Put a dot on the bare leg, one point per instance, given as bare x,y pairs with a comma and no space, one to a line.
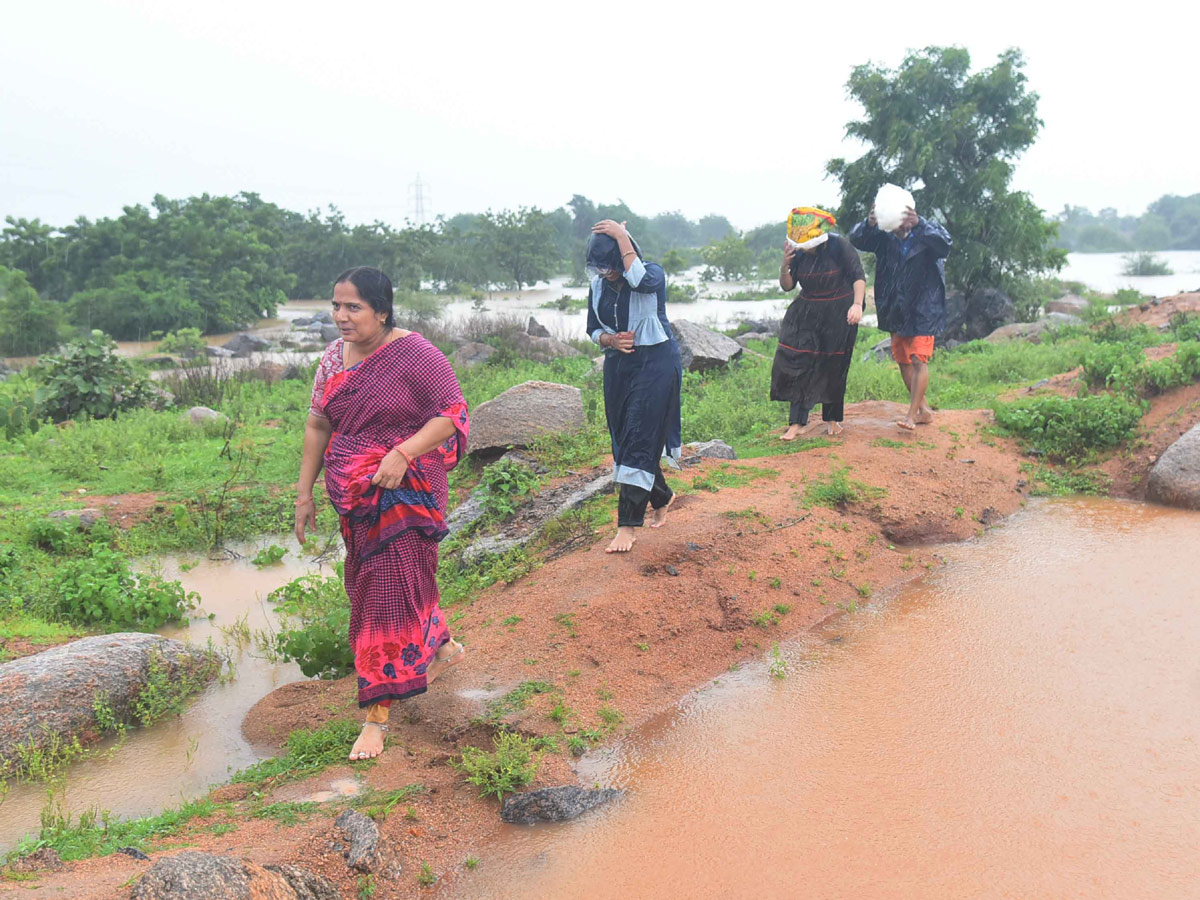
908,373
918,412
833,428
624,540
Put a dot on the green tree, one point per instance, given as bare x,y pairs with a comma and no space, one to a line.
28,324
955,135
519,244
674,262
729,257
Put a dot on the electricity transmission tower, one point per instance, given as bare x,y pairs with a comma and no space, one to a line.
418,200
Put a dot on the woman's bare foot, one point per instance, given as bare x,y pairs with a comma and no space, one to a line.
835,428
907,424
793,432
623,541
449,654
659,519
370,742
924,417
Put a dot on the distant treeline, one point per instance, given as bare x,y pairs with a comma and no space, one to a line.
1169,223
218,263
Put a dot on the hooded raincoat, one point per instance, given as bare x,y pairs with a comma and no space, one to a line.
910,276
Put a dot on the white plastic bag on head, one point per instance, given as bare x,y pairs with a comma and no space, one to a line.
890,205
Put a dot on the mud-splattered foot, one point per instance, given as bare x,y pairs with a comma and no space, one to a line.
449,654
370,742
907,424
793,432
834,429
623,542
659,519
925,417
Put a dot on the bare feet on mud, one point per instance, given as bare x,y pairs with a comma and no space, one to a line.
659,519
924,417
449,654
622,542
907,423
793,432
370,742
834,429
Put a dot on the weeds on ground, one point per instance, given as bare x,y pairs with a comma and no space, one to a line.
837,489
308,752
511,765
778,666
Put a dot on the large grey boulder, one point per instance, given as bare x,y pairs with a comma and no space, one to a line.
330,333
881,352
242,345
1175,478
218,353
744,339
206,876
520,414
554,804
51,695
472,354
976,316
702,348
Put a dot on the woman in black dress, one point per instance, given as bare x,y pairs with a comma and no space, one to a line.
816,341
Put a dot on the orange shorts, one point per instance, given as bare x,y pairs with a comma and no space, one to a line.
906,349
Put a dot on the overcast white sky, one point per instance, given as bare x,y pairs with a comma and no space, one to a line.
731,108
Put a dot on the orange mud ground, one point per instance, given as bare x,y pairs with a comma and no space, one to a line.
636,632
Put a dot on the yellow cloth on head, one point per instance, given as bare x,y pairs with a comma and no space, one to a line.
807,222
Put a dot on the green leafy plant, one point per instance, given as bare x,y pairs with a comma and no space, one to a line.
1070,428
100,590
837,489
316,618
778,666
184,342
268,556
511,765
508,483
88,379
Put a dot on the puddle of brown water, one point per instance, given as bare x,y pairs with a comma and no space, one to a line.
180,758
1022,725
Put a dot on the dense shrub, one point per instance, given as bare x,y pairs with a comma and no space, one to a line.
101,591
88,379
18,407
1070,428
316,616
185,342
508,483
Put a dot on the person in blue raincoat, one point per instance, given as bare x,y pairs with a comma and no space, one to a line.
643,374
910,297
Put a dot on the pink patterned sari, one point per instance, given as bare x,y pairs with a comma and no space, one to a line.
396,625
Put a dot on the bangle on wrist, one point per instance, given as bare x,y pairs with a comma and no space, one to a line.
407,458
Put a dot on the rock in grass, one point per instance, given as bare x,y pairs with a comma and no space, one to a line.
50,698
367,853
537,329
84,518
244,344
1071,305
517,416
206,876
472,354
702,348
202,415
554,804
1175,478
716,449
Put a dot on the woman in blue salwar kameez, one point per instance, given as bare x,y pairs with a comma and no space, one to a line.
627,316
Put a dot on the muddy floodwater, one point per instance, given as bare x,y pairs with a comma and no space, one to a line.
181,757
1024,723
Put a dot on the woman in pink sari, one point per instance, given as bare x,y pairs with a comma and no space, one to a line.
387,421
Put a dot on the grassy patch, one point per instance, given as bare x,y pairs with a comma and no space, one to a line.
510,766
517,699
837,489
308,752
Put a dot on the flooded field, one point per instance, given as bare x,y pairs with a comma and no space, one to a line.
1021,725
179,758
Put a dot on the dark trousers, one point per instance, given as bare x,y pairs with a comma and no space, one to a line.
830,412
631,502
